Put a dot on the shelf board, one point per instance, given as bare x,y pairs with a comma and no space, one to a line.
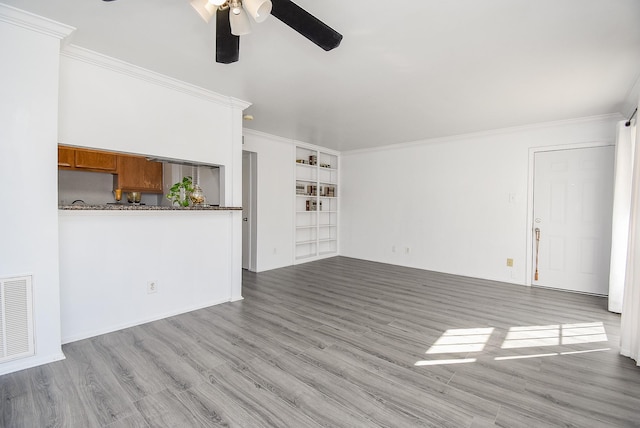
324,253
305,165
313,241
327,240
328,225
306,227
306,196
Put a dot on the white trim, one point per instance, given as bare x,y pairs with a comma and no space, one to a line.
531,175
27,363
131,70
290,141
266,135
34,22
500,131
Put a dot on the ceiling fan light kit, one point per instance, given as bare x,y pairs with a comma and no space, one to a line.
259,10
240,25
205,8
232,21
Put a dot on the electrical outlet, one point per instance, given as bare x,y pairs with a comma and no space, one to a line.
407,250
393,248
510,262
152,287
275,251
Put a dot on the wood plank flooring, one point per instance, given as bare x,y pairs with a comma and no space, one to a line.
346,343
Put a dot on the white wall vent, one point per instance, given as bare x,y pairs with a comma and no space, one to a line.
16,318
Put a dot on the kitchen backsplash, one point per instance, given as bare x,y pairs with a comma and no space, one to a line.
94,188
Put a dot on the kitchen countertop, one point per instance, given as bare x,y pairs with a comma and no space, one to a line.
132,207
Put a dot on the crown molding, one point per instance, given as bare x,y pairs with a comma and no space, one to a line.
109,63
481,134
276,138
30,21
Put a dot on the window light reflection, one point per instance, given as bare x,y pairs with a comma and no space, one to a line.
553,335
461,340
469,340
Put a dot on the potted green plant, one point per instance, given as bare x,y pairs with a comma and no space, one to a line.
179,192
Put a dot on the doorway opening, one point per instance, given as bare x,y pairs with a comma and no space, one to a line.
249,208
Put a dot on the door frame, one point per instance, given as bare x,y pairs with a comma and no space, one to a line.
252,176
530,182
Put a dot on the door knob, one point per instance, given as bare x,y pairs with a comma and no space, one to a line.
245,219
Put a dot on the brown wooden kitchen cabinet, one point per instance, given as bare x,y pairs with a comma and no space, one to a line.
86,160
66,157
137,174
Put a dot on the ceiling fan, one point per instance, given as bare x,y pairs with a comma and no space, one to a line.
232,21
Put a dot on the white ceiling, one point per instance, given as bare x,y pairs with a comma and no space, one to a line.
405,71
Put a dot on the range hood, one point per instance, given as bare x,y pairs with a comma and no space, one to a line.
181,162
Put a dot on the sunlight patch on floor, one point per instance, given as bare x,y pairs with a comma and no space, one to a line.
553,335
461,340
473,340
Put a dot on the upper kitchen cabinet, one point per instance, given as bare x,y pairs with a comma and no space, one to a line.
86,160
66,157
137,174
131,173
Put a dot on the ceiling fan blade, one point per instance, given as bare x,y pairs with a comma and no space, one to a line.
306,24
227,45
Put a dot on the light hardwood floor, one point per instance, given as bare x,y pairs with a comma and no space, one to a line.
346,343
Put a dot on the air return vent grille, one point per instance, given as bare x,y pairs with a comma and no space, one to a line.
16,318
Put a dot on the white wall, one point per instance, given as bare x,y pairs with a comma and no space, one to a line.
275,193
28,169
111,105
448,200
104,269
105,104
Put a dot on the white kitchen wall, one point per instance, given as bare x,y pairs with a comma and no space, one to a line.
28,169
454,205
275,193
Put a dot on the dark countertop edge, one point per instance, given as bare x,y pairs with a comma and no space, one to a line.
126,207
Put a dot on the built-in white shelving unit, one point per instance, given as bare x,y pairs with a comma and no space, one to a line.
316,205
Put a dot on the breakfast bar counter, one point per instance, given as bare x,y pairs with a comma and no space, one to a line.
133,207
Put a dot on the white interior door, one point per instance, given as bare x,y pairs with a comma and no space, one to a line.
572,206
